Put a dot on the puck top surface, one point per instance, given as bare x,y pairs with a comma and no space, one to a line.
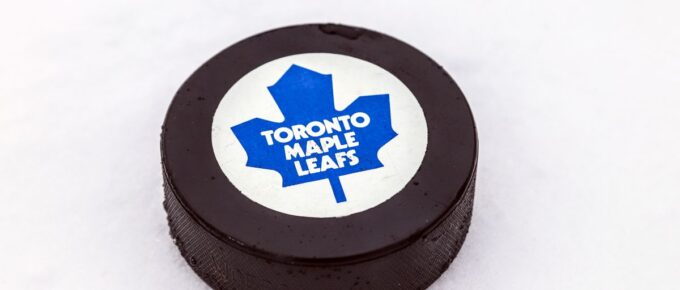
319,143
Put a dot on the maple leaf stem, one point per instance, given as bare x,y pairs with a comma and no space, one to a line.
337,189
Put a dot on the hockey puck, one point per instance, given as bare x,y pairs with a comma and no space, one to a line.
319,157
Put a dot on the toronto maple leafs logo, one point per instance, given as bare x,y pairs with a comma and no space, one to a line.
315,141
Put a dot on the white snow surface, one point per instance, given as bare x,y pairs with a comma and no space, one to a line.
576,104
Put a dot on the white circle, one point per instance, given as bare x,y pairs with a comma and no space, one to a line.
249,98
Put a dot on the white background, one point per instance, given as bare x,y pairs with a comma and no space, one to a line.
351,78
576,104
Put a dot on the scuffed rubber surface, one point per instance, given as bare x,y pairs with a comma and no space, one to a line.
223,266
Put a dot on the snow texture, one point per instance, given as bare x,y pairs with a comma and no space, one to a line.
576,104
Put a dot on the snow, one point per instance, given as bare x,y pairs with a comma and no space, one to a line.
575,101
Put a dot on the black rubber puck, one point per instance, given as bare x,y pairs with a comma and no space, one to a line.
319,157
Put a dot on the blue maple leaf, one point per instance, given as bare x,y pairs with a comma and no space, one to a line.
315,141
